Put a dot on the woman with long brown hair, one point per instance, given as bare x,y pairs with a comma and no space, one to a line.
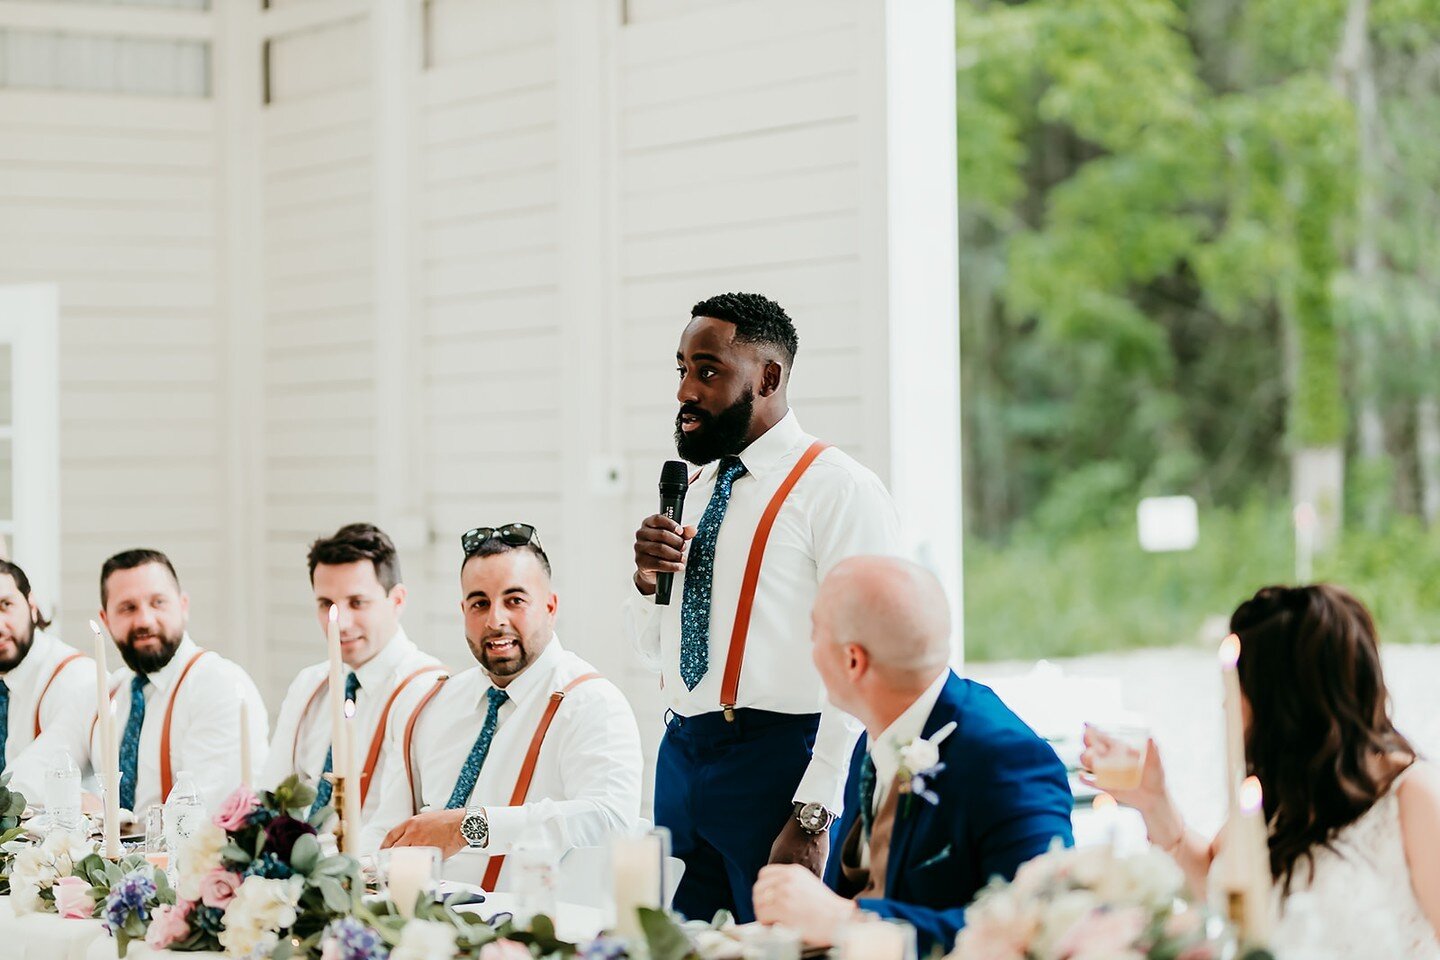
1353,813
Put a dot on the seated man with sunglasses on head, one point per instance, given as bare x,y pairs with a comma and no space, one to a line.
358,573
530,744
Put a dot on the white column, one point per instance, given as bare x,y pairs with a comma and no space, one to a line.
908,113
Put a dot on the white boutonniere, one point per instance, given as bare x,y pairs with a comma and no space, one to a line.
920,764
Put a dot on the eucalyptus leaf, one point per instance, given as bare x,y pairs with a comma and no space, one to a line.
305,855
665,938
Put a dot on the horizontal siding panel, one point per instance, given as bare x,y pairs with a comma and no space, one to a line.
114,219
804,103
819,146
82,147
321,257
497,314
340,476
308,63
481,196
92,112
175,293
498,153
719,250
79,329
351,179
462,429
305,441
495,357
774,197
729,26
282,122
522,271
481,475
86,441
323,148
461,29
465,239
514,112
323,329
764,63
162,483
178,188
303,521
320,367
288,227
123,365
102,404
343,406
672,297
49,257
350,291
516,67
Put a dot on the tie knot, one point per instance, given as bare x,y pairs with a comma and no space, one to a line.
352,685
496,697
4,687
730,470
137,683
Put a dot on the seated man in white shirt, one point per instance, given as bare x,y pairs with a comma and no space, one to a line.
469,741
356,571
177,706
42,683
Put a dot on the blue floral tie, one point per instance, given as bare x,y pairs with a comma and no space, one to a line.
130,742
325,788
465,785
4,720
699,576
867,796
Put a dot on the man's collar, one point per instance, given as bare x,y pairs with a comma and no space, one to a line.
885,750
26,672
767,450
373,672
165,677
534,677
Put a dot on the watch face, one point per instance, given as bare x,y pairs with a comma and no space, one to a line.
813,817
475,830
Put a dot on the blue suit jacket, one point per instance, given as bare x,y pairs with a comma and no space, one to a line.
1003,799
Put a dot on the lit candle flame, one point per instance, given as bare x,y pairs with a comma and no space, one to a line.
1230,651
334,613
349,708
1252,798
95,629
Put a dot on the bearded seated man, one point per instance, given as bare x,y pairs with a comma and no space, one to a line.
990,794
528,705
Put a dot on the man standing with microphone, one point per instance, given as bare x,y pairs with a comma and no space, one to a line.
753,760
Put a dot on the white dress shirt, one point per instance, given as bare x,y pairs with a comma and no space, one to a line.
72,694
205,728
379,676
587,779
885,750
838,509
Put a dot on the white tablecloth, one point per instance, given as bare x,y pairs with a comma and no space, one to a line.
47,937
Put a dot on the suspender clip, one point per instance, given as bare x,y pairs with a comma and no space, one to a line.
729,712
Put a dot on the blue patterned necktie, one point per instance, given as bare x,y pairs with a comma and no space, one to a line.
465,785
325,787
867,796
4,720
130,743
699,576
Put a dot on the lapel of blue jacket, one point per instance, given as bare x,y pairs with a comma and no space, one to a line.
908,821
841,829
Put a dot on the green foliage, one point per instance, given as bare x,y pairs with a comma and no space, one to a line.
1046,595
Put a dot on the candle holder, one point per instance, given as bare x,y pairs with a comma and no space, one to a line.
338,783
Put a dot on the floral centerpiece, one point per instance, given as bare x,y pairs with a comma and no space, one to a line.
12,806
1089,904
253,882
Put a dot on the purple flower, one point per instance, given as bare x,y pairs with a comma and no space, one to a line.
349,939
603,948
920,784
131,895
281,834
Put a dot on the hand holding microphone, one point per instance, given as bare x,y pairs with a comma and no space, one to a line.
660,541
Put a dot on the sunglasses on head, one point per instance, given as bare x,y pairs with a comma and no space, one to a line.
512,534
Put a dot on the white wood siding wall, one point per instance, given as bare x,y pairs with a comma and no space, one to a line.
316,240
114,199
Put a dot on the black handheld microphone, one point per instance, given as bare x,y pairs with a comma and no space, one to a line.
674,481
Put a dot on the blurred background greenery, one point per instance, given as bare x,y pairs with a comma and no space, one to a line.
1200,254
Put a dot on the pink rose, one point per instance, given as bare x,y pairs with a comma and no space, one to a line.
504,950
72,899
217,888
1103,935
235,811
168,925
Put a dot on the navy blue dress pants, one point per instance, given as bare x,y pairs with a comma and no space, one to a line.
725,790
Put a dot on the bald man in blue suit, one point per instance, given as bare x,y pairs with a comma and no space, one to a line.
991,795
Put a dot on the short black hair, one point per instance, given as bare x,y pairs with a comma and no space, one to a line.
22,583
495,546
129,560
756,319
355,542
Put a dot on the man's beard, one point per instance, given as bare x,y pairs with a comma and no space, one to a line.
508,667
720,435
148,662
23,643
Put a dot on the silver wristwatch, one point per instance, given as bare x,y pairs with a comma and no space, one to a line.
475,828
813,818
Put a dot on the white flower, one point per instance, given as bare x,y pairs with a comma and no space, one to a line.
425,940
714,944
36,868
921,754
199,854
261,909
